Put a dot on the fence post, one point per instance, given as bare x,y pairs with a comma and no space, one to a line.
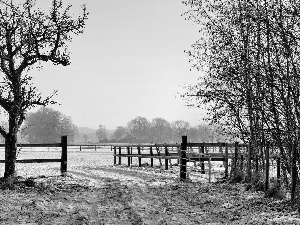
166,160
202,162
64,155
131,154
209,169
226,160
151,154
139,153
183,158
115,153
128,159
120,152
178,151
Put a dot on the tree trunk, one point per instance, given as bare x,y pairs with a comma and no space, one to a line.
11,147
10,155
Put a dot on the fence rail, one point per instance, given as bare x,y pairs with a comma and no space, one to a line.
64,154
184,153
36,145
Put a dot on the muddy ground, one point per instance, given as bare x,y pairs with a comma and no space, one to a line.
115,195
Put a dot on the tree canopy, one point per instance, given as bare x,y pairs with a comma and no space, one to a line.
29,36
47,126
249,53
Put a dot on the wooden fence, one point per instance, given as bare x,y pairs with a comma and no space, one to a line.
184,152
64,154
89,146
163,151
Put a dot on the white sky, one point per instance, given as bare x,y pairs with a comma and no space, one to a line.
129,62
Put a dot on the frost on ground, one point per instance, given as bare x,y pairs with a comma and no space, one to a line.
94,192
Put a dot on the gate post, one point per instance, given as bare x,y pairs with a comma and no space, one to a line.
202,162
151,154
120,153
115,155
128,153
64,155
183,158
226,160
166,159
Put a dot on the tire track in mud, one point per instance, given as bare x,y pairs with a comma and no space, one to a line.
129,200
147,199
114,200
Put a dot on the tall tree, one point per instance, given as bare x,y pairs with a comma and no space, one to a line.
139,128
160,130
101,133
28,36
178,129
120,133
47,126
250,51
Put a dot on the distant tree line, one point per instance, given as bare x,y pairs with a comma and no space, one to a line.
159,130
47,125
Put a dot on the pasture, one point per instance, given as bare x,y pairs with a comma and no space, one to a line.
76,158
88,161
96,192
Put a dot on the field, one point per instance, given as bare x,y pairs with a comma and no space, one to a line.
96,192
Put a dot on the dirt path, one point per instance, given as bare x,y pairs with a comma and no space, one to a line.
124,196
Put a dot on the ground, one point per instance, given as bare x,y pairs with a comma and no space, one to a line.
122,195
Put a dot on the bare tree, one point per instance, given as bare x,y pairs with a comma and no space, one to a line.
29,36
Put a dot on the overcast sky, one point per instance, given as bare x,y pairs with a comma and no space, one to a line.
129,62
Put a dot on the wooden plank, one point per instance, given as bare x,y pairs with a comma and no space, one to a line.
115,153
206,144
226,161
139,153
204,155
166,159
213,159
151,154
209,170
128,159
120,152
202,163
64,154
126,155
147,145
183,158
34,160
36,145
159,157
